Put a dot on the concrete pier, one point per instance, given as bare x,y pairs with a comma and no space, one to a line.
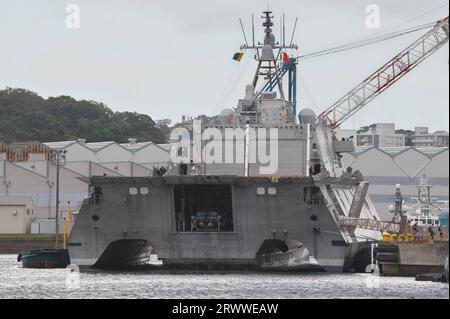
412,258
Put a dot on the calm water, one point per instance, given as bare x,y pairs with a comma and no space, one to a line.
16,282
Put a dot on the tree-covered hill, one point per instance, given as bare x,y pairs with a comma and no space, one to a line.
25,116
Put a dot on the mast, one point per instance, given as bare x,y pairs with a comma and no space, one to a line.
271,66
60,160
57,206
268,64
423,187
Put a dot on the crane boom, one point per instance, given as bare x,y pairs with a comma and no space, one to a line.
387,75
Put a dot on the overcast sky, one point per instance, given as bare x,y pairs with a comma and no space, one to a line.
168,58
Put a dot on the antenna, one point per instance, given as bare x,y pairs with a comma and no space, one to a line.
281,30
284,31
253,28
243,31
293,31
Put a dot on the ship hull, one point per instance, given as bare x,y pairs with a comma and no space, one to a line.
147,210
45,258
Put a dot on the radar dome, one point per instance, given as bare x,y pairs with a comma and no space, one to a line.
306,116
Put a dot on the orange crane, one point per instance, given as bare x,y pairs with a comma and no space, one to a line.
387,75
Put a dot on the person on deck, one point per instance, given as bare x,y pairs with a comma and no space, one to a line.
431,231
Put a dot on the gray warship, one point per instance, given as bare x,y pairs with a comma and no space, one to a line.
307,212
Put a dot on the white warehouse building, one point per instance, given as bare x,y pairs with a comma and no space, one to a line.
26,170
385,167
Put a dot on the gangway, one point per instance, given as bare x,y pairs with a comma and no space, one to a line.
382,226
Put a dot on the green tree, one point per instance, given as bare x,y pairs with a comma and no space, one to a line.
25,116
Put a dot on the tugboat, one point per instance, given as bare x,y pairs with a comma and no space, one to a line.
44,258
57,257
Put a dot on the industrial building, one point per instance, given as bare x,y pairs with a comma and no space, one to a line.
27,170
384,167
16,214
422,138
384,135
381,135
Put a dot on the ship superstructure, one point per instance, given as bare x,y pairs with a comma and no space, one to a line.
425,212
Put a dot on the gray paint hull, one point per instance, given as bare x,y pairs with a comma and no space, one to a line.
151,217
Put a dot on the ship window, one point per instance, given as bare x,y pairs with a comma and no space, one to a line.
272,191
260,190
317,169
312,196
203,208
133,191
144,190
95,195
